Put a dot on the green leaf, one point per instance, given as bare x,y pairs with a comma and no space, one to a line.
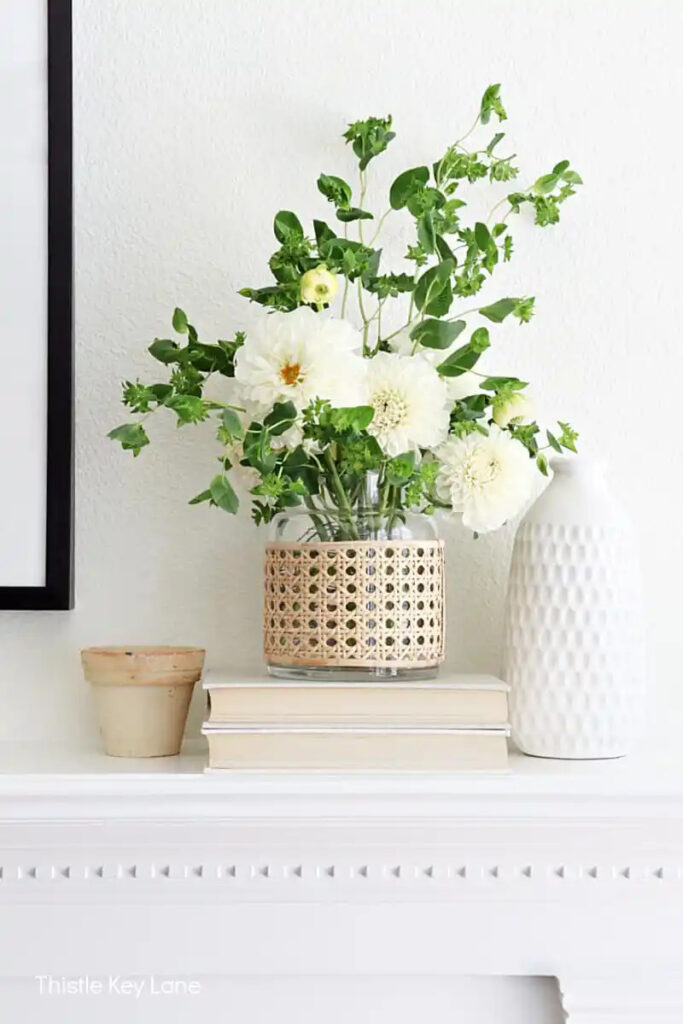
257,450
160,391
482,236
388,284
444,250
433,293
355,418
497,311
323,232
480,340
280,418
406,185
547,210
496,383
553,442
491,103
210,358
572,178
343,255
459,362
297,466
546,183
466,357
437,334
137,397
472,408
542,463
199,498
498,137
223,495
232,424
426,234
568,437
164,350
131,436
287,227
335,189
353,213
369,138
188,408
561,167
179,321
524,309
400,469
283,297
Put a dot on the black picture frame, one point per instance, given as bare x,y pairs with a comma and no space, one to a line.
57,592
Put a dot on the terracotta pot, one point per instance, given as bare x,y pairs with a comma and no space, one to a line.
143,696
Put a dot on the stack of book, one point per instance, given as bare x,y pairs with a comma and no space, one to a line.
457,722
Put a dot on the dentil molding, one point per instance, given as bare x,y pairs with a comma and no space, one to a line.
558,869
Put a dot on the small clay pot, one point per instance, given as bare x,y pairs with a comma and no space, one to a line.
142,696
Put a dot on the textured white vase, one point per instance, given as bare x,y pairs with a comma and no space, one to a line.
573,625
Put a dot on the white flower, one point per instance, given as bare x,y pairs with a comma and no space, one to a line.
410,403
487,479
465,384
457,387
318,286
299,356
290,438
245,475
516,408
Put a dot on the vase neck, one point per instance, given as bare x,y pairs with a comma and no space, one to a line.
580,466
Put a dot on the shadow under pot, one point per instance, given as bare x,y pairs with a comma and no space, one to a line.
142,696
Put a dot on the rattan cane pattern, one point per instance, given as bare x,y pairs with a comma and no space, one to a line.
374,603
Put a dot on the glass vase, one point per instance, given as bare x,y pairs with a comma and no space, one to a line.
354,592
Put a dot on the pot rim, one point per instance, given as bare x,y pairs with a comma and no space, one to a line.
136,650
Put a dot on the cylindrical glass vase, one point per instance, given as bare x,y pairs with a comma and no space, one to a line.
354,593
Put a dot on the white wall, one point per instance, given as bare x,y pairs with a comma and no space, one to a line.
195,120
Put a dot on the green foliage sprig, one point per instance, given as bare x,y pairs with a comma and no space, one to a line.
451,257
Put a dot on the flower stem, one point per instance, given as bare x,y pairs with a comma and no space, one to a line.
341,495
346,280
380,222
361,200
344,296
467,133
366,322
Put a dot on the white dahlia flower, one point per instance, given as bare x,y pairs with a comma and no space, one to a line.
457,387
298,356
410,403
487,479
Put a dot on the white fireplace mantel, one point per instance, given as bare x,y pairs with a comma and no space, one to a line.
572,870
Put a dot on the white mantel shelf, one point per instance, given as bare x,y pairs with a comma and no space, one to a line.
43,781
570,869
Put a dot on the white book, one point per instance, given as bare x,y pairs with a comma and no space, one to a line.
346,748
451,700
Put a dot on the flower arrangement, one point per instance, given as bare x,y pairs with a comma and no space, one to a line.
319,399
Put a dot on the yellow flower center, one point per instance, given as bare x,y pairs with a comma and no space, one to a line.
482,469
390,410
290,373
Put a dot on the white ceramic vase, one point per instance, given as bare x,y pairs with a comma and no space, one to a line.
573,629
